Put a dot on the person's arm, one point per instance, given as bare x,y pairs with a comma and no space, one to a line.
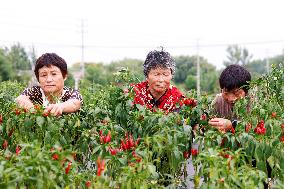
24,101
70,106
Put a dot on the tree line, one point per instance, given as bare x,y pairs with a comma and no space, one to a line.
16,63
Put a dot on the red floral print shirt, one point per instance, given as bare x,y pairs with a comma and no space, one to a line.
167,102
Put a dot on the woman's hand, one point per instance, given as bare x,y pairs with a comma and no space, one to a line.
221,124
24,102
54,109
69,106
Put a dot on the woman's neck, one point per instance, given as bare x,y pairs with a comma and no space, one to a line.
156,94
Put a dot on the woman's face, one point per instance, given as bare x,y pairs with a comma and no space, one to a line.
51,80
159,79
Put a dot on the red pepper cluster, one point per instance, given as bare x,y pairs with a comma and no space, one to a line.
190,102
260,129
105,139
128,142
193,151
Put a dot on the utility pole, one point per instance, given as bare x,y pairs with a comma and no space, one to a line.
197,70
82,49
81,74
267,61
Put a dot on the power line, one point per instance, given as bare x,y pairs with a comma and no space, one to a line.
146,46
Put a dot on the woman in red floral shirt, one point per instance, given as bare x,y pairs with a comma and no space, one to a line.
156,91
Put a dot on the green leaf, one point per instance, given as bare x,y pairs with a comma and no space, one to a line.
40,120
271,161
123,161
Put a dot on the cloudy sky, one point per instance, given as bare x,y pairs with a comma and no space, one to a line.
115,29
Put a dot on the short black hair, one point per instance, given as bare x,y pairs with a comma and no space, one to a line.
49,59
235,76
157,59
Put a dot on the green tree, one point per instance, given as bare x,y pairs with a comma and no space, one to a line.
96,73
186,74
19,58
185,65
257,68
237,55
262,66
134,66
6,70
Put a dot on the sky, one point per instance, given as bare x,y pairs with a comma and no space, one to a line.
112,30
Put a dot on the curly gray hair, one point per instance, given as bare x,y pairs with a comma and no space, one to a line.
157,59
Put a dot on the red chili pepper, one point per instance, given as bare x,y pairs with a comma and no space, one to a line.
1,119
137,158
248,127
45,114
113,151
5,144
260,130
102,139
185,154
37,107
10,133
88,184
187,102
55,156
137,141
260,123
17,111
107,139
18,150
233,130
203,117
194,152
131,141
226,156
123,145
100,166
68,167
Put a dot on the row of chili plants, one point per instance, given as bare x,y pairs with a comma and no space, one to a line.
112,143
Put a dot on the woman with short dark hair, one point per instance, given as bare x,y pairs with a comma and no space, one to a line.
51,72
157,91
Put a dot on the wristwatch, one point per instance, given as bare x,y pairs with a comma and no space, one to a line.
234,123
